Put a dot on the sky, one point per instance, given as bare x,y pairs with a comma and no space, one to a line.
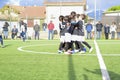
101,4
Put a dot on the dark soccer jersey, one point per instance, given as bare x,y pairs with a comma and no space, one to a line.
75,31
67,30
72,27
80,27
62,27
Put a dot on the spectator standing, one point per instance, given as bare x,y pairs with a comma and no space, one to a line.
89,28
50,30
5,30
36,28
113,30
99,26
14,32
118,31
106,31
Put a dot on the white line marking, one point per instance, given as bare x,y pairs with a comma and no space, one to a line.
105,74
113,55
29,51
108,40
21,49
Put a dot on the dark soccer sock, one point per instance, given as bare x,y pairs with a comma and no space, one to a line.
61,46
1,42
76,45
80,45
71,45
67,46
84,42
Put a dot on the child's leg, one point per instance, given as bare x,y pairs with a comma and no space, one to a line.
1,40
23,39
80,46
66,46
62,43
61,46
77,45
71,45
90,48
84,42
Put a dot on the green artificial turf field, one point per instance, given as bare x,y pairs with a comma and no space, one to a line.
39,60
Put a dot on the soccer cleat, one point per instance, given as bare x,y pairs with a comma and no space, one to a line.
67,53
59,51
84,49
71,52
82,52
76,51
91,49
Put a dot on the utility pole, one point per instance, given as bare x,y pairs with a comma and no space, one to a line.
95,20
10,16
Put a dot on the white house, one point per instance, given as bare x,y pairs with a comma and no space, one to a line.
115,13
55,8
109,17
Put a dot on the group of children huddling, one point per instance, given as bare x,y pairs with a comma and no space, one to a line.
72,34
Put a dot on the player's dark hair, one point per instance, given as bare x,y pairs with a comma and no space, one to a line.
83,16
67,18
73,13
61,17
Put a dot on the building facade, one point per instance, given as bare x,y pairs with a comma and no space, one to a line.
109,17
55,8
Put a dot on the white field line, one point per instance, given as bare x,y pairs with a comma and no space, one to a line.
42,52
107,40
105,74
21,49
31,40
113,55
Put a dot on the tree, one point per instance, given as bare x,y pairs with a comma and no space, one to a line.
114,8
6,10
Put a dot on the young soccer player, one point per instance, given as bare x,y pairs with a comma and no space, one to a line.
62,26
75,34
22,34
67,39
81,32
1,39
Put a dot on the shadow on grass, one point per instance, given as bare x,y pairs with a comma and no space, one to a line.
113,75
6,45
85,77
71,71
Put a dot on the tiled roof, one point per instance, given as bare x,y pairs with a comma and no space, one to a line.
64,0
3,16
33,12
30,11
